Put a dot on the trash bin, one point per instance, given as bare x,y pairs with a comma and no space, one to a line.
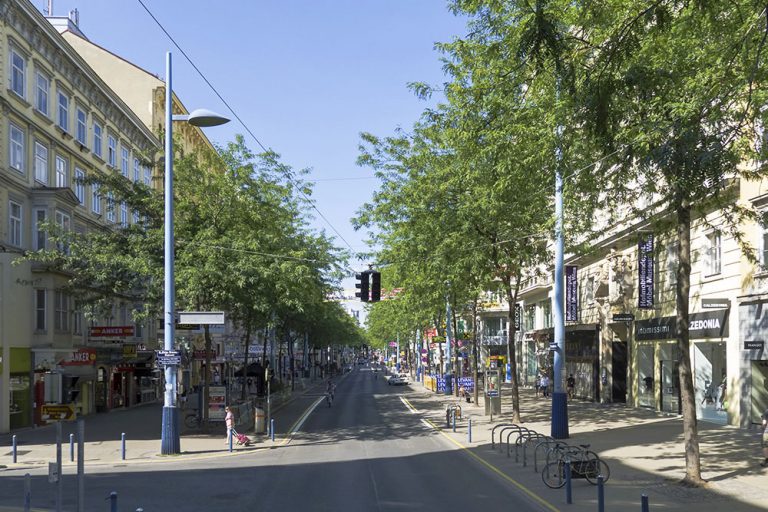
259,421
492,404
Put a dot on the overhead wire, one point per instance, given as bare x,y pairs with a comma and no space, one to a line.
239,119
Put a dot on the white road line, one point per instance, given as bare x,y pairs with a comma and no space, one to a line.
296,426
408,405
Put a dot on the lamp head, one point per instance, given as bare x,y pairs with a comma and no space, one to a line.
204,118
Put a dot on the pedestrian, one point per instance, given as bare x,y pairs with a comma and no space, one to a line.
570,384
545,385
229,420
537,384
765,439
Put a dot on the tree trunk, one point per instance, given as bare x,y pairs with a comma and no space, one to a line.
687,396
474,349
245,361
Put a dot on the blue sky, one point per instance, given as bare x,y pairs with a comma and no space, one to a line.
306,76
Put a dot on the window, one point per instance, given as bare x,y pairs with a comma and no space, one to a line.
41,236
62,172
124,159
63,223
111,151
14,223
16,148
40,310
147,176
61,304
529,318
63,111
80,185
18,73
124,214
95,198
41,163
590,290
77,321
135,217
714,254
671,263
546,308
136,170
82,130
97,143
110,207
42,90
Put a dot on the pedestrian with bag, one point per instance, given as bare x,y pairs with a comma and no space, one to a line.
229,420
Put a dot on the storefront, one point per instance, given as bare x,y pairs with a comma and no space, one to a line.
753,360
658,360
20,405
63,384
581,357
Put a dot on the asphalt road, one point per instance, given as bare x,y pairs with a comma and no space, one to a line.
366,452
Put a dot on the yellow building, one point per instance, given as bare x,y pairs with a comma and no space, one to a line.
60,122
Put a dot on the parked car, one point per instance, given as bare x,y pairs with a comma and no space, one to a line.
398,380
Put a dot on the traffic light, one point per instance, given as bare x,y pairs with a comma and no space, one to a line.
375,286
362,285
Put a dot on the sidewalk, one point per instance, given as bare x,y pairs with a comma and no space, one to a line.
643,449
142,426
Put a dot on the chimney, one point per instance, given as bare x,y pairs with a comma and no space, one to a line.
74,16
50,8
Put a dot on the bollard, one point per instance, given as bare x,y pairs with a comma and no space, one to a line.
600,494
454,420
112,501
568,489
71,447
469,430
14,448
122,445
644,503
272,429
27,492
230,436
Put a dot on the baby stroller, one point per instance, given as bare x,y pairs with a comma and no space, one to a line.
240,439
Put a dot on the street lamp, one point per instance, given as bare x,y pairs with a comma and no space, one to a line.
448,339
170,443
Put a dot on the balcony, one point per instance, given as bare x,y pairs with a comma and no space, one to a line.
499,339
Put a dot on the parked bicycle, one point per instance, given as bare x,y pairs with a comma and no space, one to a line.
584,464
192,420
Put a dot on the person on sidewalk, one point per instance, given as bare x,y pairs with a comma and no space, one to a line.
545,385
765,439
229,420
537,384
570,385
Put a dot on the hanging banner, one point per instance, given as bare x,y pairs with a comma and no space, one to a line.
571,293
645,272
518,317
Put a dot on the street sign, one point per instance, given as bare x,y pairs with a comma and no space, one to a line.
57,412
492,393
201,317
168,357
623,317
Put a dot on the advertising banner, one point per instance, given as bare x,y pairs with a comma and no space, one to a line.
571,293
645,272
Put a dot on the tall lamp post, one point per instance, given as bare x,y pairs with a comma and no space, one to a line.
448,339
170,443
559,397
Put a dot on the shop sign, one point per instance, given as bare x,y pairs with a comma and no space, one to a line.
130,351
571,293
518,317
715,303
623,317
645,272
217,400
57,412
111,331
80,357
430,333
392,343
200,354
754,345
710,324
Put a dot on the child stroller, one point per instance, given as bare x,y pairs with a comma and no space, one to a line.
240,439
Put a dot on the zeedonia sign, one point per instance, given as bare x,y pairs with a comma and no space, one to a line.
710,324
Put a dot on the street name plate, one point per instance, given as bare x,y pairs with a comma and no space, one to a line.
168,357
201,317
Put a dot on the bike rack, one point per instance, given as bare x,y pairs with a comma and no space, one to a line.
493,432
521,438
512,426
519,430
545,442
533,437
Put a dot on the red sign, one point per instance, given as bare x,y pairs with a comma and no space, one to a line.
200,354
119,331
430,333
80,357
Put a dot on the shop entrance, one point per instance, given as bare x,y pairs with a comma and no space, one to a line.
619,371
710,381
670,387
759,395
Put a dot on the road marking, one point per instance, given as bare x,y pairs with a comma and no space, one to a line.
300,422
408,405
493,468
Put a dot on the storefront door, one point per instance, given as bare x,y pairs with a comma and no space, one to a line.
759,395
619,371
710,381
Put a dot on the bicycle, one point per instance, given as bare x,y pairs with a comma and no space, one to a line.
192,420
329,398
584,464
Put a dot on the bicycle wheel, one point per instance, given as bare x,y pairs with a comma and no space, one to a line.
191,421
553,475
593,467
